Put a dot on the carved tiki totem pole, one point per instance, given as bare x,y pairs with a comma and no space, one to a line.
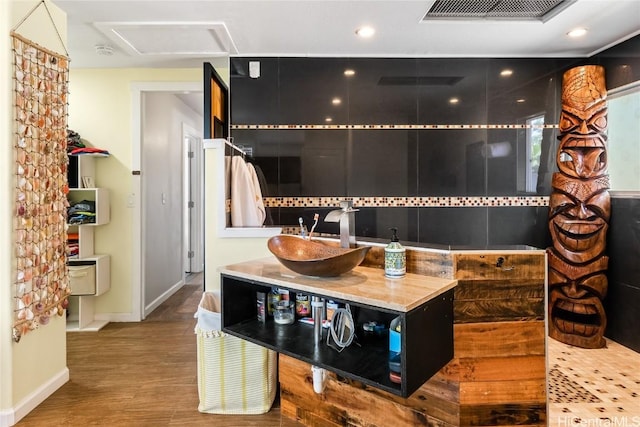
579,210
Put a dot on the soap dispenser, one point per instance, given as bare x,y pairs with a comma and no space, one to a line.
395,260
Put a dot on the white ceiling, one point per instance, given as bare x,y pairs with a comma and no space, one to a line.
166,33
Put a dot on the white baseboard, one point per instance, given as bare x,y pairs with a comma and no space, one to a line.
162,298
130,317
9,417
117,317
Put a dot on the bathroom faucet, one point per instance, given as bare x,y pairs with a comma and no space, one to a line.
347,219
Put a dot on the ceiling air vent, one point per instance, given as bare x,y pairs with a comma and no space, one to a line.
526,10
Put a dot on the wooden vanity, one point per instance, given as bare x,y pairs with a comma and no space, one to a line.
423,304
488,305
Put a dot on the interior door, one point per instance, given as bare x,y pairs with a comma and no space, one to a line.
187,201
192,190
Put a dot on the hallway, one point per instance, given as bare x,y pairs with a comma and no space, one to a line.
144,374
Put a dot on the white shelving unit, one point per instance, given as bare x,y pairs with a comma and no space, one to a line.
89,272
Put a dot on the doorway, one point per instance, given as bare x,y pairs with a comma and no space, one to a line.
156,198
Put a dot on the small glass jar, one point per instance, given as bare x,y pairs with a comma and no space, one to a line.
284,313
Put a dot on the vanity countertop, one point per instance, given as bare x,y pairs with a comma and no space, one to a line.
364,285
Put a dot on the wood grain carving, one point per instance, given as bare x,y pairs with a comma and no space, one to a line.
579,211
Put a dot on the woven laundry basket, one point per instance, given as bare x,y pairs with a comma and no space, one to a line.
234,375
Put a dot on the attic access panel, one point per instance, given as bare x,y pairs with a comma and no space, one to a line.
526,10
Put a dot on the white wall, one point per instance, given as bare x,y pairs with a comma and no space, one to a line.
6,200
162,166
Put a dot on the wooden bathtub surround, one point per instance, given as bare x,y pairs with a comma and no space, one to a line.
579,212
498,372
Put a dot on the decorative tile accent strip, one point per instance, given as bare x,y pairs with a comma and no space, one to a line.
408,202
390,126
295,230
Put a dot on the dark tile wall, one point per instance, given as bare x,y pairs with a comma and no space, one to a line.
434,162
300,161
622,303
299,91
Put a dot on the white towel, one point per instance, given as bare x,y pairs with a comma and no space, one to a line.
227,177
257,192
245,211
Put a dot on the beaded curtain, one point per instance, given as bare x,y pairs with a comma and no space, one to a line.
40,89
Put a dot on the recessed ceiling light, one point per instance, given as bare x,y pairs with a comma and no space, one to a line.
328,119
454,101
577,32
506,72
336,101
520,100
365,32
349,72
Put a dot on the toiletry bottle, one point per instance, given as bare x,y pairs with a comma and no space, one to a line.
395,260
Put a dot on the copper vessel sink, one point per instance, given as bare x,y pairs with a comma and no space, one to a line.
312,258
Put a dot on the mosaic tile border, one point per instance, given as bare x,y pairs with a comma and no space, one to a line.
408,202
388,126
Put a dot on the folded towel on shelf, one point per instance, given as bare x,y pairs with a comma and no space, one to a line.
83,212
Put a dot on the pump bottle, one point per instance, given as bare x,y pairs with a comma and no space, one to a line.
395,260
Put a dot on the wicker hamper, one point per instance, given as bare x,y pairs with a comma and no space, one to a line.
234,375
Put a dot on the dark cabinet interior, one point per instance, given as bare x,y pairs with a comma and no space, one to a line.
426,337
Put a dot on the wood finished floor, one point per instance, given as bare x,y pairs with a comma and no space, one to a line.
139,374
144,374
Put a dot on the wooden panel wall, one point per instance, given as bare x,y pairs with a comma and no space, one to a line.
429,263
497,375
499,338
349,403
